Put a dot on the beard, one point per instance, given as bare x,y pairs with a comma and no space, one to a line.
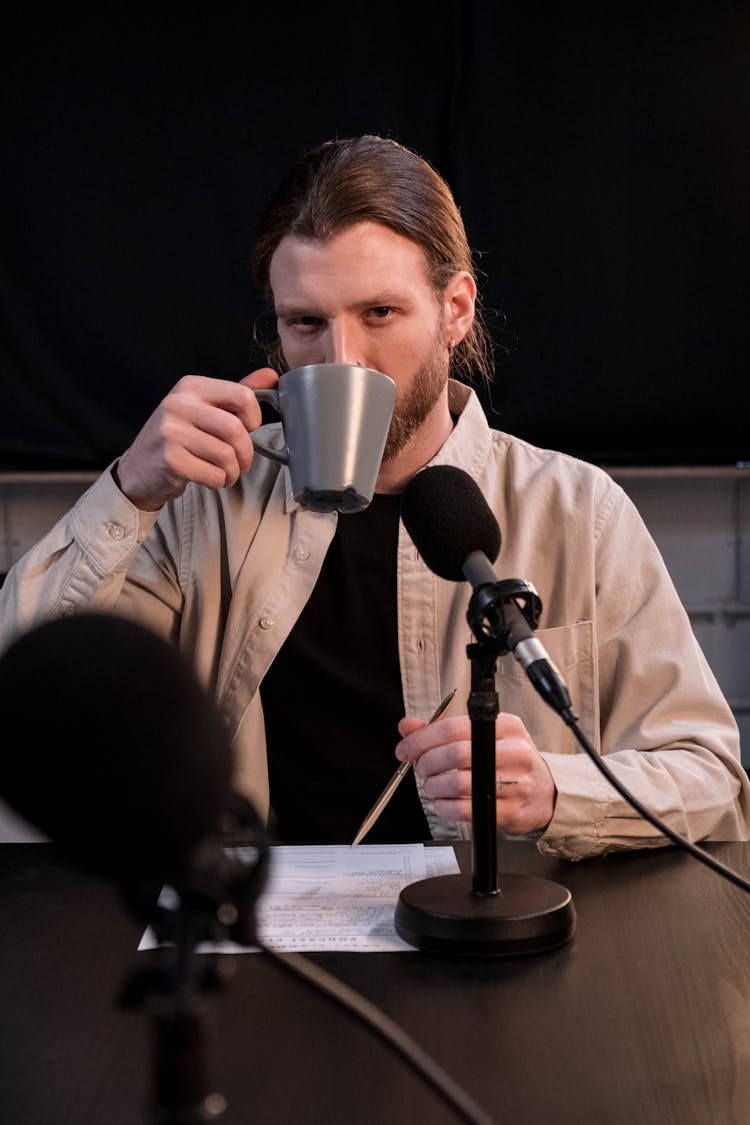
414,407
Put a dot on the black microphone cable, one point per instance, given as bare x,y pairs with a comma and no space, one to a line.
549,684
312,975
700,854
244,931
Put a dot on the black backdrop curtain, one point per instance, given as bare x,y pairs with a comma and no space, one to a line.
599,153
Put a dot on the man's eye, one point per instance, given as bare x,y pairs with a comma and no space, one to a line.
380,312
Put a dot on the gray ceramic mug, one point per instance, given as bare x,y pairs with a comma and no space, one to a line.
335,418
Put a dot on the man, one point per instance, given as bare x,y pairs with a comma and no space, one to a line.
320,634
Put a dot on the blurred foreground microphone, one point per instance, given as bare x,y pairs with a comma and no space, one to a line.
120,757
456,533
114,749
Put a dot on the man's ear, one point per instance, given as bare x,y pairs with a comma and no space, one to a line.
459,300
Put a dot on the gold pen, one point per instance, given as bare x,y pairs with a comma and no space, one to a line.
396,780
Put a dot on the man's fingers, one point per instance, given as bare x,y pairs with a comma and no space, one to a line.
264,377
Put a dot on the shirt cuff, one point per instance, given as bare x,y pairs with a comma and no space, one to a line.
107,526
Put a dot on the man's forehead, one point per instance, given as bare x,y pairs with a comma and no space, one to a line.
356,268
364,246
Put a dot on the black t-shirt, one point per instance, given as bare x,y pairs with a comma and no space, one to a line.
332,698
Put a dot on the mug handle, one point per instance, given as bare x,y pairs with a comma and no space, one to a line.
271,396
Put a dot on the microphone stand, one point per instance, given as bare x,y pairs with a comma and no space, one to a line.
174,983
212,899
487,916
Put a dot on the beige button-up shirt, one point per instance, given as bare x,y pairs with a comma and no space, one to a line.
225,574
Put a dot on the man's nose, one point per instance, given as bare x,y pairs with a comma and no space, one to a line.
344,345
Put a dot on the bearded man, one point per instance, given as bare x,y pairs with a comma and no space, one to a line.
320,634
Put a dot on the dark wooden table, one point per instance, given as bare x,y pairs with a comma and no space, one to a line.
644,1017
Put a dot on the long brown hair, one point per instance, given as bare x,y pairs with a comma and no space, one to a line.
375,179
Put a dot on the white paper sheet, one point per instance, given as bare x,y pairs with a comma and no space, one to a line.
336,897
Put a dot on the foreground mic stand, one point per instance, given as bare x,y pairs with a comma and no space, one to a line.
214,900
174,985
483,917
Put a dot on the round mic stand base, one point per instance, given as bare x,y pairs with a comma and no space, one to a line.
445,915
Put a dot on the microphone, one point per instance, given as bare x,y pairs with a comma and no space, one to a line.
451,524
116,752
456,533
121,757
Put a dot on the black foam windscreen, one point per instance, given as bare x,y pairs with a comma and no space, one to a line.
448,518
112,746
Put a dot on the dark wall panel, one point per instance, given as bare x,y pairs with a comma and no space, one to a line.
598,152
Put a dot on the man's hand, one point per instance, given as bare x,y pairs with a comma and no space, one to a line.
441,753
200,432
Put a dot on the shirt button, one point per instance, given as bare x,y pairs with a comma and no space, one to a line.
266,622
115,531
302,553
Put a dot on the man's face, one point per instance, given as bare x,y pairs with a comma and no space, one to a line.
365,298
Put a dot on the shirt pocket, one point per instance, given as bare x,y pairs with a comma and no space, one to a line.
572,649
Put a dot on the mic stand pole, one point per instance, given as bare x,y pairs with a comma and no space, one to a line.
212,899
180,1090
483,708
486,916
